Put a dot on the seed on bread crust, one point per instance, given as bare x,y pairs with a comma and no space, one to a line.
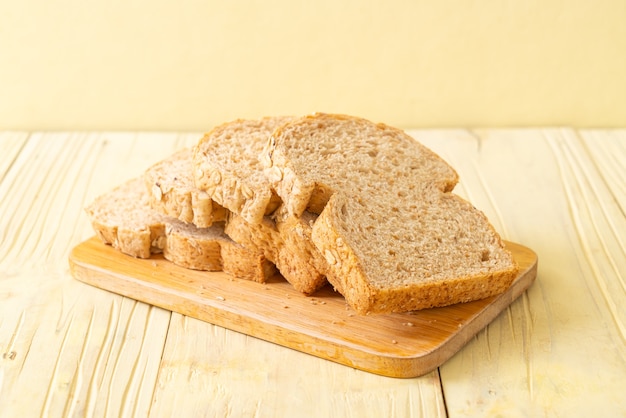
247,192
274,174
216,177
157,192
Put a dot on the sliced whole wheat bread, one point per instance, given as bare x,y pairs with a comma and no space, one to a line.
286,242
123,218
226,167
394,237
363,204
172,192
283,241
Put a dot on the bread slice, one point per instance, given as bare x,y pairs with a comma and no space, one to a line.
172,192
123,218
285,242
226,167
394,237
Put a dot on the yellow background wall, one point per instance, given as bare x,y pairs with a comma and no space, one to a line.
186,65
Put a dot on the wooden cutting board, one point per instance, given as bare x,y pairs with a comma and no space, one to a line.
396,345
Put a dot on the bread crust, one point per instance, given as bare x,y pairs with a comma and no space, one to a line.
124,219
349,277
226,167
172,191
286,241
394,237
324,197
256,220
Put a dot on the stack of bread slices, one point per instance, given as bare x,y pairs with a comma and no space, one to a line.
323,198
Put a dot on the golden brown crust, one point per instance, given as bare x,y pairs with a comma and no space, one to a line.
285,242
171,191
124,219
394,238
389,236
226,166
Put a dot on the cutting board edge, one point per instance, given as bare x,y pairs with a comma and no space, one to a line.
385,364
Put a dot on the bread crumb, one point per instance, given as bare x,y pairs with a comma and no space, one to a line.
157,192
330,257
408,324
394,342
247,192
216,177
274,174
221,298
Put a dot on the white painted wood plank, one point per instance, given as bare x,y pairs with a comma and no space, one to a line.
77,351
606,149
11,144
560,349
211,371
67,349
56,175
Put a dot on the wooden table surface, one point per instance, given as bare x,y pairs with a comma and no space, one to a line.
69,349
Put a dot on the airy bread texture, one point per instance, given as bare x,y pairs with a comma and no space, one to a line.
227,168
324,197
123,218
283,240
287,243
173,192
394,237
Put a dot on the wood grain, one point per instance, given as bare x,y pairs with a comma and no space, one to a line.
547,354
399,345
234,375
70,349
